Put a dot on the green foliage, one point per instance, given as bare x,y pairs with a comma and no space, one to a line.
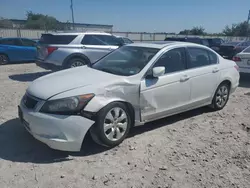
240,29
193,31
40,21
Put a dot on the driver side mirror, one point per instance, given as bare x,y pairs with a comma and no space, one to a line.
158,71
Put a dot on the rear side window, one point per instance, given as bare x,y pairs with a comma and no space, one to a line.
194,40
56,39
200,57
100,40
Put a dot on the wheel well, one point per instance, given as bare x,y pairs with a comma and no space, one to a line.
80,56
1,53
131,111
227,82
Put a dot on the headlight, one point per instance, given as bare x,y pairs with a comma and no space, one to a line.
68,105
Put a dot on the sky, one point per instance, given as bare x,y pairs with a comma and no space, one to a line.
137,15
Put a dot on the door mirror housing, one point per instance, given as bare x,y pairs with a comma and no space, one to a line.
158,71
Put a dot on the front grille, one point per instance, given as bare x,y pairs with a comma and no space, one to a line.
29,102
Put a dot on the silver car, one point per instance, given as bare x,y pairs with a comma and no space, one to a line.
243,60
134,84
67,50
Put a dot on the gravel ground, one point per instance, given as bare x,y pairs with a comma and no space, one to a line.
195,149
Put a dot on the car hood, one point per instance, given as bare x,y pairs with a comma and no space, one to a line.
52,84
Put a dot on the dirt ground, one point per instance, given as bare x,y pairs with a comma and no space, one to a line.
195,149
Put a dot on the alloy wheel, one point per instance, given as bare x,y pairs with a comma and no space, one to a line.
222,96
115,124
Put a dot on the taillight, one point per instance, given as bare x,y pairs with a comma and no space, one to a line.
51,49
236,67
236,59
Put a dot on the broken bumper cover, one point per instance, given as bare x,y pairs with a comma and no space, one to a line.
60,132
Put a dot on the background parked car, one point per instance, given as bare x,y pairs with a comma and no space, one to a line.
17,50
215,43
67,50
195,40
124,40
230,49
243,60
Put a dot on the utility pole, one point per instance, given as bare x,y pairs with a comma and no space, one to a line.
248,19
72,14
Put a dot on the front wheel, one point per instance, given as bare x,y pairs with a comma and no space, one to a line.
4,59
112,125
221,96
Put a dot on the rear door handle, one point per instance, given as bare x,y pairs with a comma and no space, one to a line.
216,70
184,78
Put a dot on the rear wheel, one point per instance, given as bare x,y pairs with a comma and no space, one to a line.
4,59
112,125
221,96
76,62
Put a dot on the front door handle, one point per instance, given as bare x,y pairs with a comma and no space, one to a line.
184,78
216,70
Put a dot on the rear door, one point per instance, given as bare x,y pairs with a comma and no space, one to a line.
29,47
97,46
204,74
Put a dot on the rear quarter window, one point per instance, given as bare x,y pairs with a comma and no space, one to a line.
56,39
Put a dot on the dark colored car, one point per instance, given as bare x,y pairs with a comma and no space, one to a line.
230,49
196,40
124,40
215,43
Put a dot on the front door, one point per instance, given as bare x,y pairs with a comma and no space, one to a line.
204,74
167,94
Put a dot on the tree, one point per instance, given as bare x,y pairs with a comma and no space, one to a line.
184,32
5,23
240,29
193,31
197,31
40,21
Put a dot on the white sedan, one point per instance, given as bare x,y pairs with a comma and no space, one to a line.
243,60
135,84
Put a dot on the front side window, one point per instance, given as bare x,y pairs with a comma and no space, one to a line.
13,42
200,57
29,43
173,60
100,40
126,61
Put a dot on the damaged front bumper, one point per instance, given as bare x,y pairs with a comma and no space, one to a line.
60,132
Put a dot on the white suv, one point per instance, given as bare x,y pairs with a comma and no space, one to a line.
67,50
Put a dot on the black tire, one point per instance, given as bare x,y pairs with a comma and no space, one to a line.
75,62
4,59
216,105
97,131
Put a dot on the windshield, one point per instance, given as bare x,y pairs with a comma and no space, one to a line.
126,61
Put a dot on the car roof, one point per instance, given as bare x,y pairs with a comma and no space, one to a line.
14,38
162,44
79,33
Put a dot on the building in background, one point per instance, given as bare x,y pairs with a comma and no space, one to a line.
19,24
